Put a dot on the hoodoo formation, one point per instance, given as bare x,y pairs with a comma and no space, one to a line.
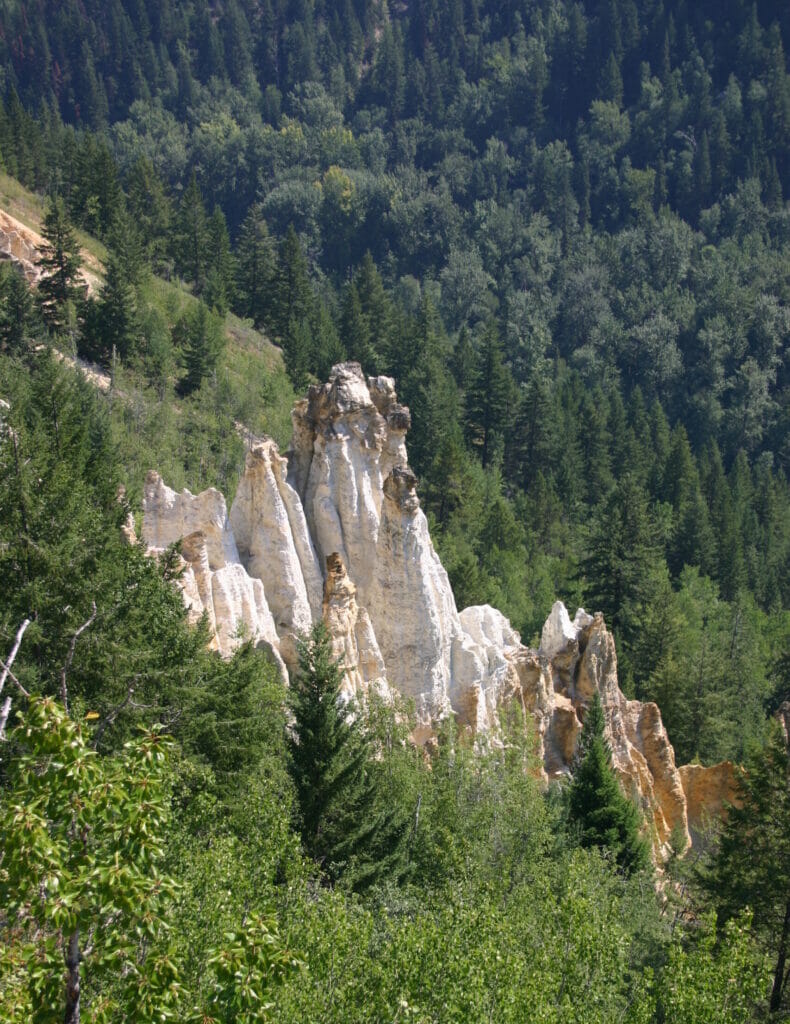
334,528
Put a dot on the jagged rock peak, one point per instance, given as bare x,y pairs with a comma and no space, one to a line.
214,583
335,530
348,391
559,631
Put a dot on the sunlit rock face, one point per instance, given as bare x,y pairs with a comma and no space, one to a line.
21,246
334,529
557,682
349,465
274,544
353,641
709,791
214,582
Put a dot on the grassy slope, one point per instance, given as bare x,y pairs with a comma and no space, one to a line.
193,442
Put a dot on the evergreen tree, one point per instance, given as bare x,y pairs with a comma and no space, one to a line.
298,347
200,336
117,317
490,396
752,864
343,825
60,263
149,208
190,239
219,285
292,297
376,306
16,310
624,569
354,329
597,806
255,268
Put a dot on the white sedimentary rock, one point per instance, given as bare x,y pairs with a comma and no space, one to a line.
336,530
214,582
353,640
349,464
274,544
559,631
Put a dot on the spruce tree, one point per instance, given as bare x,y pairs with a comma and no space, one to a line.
255,268
604,816
490,395
752,864
623,568
16,310
354,329
344,826
219,286
292,296
191,235
376,305
149,207
199,335
118,323
60,262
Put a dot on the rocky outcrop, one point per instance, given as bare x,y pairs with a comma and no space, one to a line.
22,246
556,683
349,466
708,791
335,529
213,581
275,546
353,640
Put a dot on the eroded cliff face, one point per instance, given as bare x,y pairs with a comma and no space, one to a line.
334,528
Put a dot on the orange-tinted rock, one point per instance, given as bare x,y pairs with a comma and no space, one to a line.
708,791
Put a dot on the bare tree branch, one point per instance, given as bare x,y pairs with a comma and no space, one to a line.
64,693
18,640
5,711
8,674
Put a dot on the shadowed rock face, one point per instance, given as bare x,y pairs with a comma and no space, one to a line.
335,529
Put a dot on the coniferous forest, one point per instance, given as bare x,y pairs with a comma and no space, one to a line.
564,229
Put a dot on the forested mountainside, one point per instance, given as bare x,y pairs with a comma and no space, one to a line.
563,228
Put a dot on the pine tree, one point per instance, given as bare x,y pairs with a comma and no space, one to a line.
343,825
255,268
199,335
490,396
604,816
16,310
191,235
60,262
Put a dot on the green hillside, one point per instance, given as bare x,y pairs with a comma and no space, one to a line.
563,227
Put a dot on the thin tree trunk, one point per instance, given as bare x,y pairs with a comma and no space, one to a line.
779,972
73,979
